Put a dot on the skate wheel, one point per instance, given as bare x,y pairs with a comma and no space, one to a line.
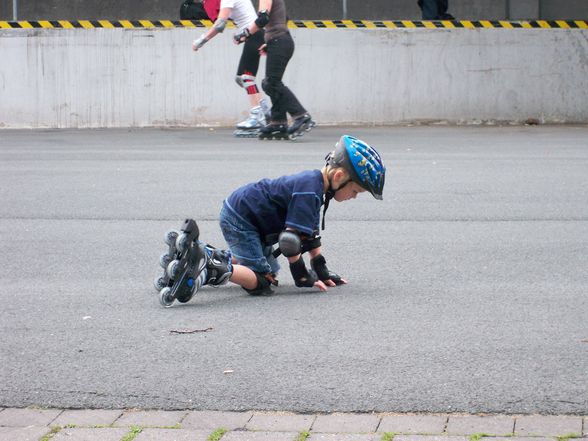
159,283
182,242
172,269
164,260
170,237
165,297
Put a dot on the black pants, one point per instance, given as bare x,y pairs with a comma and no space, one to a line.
279,51
434,9
249,62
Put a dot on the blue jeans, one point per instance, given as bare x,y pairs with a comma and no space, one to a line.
245,243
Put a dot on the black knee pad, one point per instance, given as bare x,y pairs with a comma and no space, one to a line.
270,85
263,287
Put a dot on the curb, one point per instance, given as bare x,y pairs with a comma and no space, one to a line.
143,425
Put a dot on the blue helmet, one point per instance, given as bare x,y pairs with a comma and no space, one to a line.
362,162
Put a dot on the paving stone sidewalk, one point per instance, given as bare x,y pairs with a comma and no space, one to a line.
33,424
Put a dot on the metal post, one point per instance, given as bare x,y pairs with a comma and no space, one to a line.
344,9
14,10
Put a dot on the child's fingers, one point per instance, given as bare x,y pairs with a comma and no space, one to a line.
320,285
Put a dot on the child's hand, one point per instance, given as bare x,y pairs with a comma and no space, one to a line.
261,49
321,285
339,281
319,266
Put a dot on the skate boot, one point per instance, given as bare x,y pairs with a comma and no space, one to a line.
250,127
301,125
184,263
274,131
266,108
219,266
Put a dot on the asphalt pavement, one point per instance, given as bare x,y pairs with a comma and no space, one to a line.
467,283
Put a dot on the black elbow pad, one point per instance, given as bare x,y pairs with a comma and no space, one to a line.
262,18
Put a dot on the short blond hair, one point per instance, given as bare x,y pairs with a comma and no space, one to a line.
330,171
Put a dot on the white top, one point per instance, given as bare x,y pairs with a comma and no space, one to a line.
243,11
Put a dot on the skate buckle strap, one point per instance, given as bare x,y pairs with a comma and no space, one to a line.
271,278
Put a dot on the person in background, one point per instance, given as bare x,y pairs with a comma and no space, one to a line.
243,14
435,10
279,48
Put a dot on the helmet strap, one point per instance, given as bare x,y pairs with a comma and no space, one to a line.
327,200
330,194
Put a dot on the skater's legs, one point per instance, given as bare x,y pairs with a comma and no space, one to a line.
244,277
248,67
442,7
246,78
193,264
279,51
256,267
245,244
254,99
429,9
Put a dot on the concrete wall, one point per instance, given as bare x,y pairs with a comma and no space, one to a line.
120,77
301,9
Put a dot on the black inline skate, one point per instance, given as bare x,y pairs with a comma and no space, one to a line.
274,131
301,125
183,264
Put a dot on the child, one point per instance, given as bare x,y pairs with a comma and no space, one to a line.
286,211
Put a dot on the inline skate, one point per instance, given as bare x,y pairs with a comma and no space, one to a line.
300,126
249,128
184,264
274,131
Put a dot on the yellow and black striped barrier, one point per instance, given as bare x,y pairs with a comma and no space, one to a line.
309,24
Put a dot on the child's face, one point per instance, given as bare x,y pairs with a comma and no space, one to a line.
349,191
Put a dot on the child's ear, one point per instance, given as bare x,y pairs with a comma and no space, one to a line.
339,175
